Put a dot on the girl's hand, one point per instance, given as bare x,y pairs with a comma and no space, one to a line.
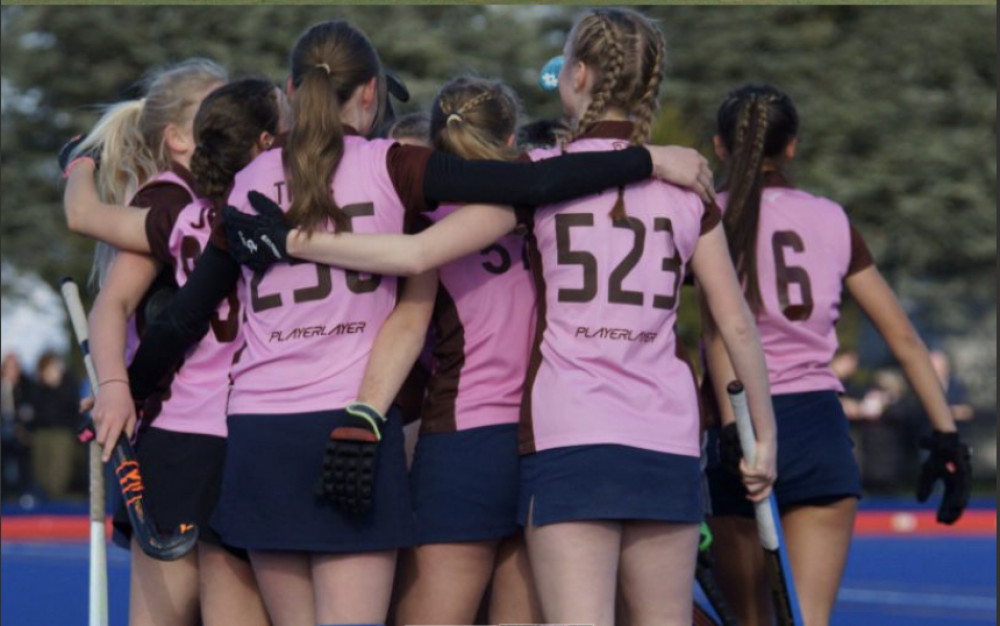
684,167
760,477
257,240
113,415
68,162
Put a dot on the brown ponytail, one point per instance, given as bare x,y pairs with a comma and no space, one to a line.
329,62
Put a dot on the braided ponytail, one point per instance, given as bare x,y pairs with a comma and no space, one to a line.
755,124
626,51
473,118
648,103
227,129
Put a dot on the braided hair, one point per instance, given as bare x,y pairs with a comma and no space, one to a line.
755,124
474,118
626,51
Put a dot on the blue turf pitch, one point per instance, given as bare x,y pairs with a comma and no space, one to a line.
889,582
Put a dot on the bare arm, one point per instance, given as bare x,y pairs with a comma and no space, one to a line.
718,366
399,342
879,303
467,230
114,412
121,226
714,271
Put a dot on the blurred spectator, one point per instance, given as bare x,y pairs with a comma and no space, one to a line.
845,366
954,390
888,427
56,399
15,412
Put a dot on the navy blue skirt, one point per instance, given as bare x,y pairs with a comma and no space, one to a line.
609,482
816,463
268,499
181,473
465,485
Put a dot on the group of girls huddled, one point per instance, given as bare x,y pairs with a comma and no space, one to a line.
254,315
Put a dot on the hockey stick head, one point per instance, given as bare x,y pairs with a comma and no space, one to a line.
151,541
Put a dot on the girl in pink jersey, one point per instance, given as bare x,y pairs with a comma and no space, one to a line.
181,454
609,420
465,472
795,252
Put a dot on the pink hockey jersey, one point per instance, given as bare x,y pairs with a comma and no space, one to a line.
606,366
309,328
806,247
196,399
483,324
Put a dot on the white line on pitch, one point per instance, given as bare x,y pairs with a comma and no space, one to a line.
904,598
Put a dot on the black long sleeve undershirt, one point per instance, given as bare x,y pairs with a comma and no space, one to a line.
184,322
449,178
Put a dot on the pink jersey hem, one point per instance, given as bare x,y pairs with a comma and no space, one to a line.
549,443
811,383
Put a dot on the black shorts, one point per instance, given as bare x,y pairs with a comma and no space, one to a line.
816,464
182,474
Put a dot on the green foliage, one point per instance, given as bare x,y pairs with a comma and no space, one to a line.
61,62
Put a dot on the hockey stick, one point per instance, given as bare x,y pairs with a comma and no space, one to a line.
98,577
779,572
150,540
706,580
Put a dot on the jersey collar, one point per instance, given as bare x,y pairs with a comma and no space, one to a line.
609,129
774,178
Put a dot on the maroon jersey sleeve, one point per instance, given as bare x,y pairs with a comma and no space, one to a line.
710,218
407,165
165,201
861,258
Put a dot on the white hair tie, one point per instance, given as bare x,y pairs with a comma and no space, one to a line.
453,116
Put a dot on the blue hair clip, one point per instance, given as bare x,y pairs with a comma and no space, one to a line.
549,78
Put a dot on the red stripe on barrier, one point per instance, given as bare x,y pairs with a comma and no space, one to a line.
48,528
924,523
867,523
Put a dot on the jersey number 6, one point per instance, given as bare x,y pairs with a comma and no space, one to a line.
790,274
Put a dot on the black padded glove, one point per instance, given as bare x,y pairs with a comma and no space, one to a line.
951,462
257,241
348,476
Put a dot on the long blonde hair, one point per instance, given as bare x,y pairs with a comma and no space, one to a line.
130,136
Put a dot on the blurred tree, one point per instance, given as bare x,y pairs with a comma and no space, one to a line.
898,124
60,63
